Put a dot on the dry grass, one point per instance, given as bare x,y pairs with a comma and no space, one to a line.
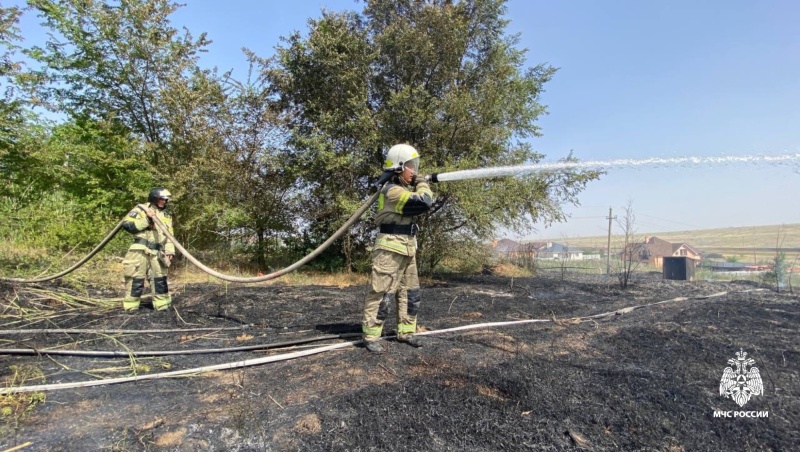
170,439
13,253
309,423
42,305
185,275
511,271
709,240
15,407
105,272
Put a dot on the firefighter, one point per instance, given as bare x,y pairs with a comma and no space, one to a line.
394,277
151,251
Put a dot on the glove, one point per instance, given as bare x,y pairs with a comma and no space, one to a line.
150,222
166,259
421,184
431,178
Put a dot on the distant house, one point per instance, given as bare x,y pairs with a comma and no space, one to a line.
654,249
592,254
540,250
506,246
552,250
509,249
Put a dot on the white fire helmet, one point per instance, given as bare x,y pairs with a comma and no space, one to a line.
401,155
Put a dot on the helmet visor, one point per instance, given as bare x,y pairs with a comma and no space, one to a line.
412,164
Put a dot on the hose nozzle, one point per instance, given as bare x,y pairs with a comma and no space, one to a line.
432,178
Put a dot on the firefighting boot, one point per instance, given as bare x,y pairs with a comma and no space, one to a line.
411,340
161,299
131,305
374,347
162,303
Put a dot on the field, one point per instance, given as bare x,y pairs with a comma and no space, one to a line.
547,362
750,244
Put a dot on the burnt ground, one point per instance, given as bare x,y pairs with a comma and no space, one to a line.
643,380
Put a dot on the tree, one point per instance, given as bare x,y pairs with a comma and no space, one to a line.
114,62
631,247
123,64
92,163
440,75
11,116
79,178
262,188
780,267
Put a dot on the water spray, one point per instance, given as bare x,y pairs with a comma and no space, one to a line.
523,170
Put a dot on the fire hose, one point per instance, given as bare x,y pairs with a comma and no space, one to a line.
350,221
163,229
237,279
326,348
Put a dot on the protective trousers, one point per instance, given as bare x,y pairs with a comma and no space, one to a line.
394,279
135,265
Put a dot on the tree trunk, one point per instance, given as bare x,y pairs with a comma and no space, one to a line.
261,253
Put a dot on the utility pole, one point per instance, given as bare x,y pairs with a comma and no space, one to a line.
608,245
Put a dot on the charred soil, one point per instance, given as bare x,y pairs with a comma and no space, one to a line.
637,379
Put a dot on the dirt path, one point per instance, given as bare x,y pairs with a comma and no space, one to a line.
646,379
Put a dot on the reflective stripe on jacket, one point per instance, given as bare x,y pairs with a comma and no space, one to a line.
399,204
136,223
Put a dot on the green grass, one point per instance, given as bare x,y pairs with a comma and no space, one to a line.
15,408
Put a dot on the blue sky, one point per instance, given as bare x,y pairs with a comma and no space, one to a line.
636,79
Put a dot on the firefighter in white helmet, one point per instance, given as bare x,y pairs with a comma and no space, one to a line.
394,277
151,251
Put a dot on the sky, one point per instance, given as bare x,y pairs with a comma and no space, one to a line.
636,79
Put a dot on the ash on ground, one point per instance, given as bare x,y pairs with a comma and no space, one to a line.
643,379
